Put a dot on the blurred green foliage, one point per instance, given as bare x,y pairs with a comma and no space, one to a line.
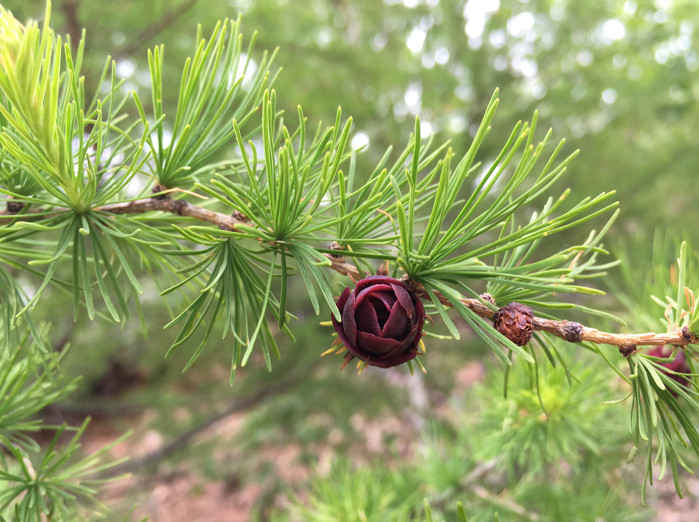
616,78
494,454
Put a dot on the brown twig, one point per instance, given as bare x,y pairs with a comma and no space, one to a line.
185,438
569,330
173,206
504,502
179,207
137,42
73,25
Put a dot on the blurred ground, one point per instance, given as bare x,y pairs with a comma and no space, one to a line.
178,491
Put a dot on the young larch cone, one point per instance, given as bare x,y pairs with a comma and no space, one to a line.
382,320
515,321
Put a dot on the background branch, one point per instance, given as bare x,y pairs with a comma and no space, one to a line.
73,25
185,438
169,18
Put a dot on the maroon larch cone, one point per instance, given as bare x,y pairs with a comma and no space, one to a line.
382,320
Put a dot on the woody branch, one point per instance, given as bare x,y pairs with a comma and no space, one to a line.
568,330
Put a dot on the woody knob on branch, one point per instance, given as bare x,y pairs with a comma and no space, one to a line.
382,321
514,321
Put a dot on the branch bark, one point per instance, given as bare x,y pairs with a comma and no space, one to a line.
170,17
567,330
73,25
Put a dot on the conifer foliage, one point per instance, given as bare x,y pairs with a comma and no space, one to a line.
222,199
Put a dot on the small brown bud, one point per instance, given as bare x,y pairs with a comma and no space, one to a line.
515,321
383,269
180,205
336,246
572,332
687,334
159,188
14,207
627,350
488,298
239,216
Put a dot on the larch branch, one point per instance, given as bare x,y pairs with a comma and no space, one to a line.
568,330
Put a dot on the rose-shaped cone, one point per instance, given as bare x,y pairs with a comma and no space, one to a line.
382,321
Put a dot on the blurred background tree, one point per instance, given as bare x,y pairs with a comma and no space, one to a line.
617,79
